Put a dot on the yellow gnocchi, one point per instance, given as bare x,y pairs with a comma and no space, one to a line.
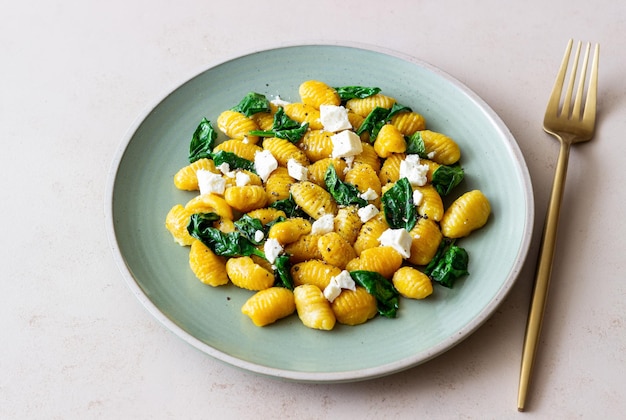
209,268
313,308
466,214
247,274
237,126
313,199
316,93
269,305
354,307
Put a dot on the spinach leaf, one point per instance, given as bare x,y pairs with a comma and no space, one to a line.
396,109
232,244
387,297
360,92
397,202
378,117
445,178
374,122
415,145
343,192
284,128
233,161
248,227
449,263
283,272
289,206
202,141
252,103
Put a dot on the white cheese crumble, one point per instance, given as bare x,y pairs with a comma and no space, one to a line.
323,225
210,182
272,249
342,280
334,118
346,143
431,155
415,172
369,195
278,101
242,179
398,239
349,162
368,212
259,235
264,164
296,170
224,168
417,197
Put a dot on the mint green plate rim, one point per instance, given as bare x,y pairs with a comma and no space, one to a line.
140,191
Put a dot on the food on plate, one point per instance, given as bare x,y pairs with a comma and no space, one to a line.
333,207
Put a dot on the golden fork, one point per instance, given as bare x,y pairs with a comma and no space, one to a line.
569,126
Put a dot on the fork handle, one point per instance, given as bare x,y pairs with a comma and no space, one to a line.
542,278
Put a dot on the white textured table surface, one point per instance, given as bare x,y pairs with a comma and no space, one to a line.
77,344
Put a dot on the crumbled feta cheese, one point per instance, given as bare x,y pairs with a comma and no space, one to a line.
279,102
224,168
264,164
367,212
431,155
349,162
242,179
417,197
323,225
369,195
334,118
346,143
415,172
332,291
296,170
210,182
272,249
342,280
259,235
398,239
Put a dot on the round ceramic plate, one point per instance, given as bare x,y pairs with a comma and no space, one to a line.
141,192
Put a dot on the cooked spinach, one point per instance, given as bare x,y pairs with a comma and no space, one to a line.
232,244
202,141
398,206
449,263
378,117
233,161
252,103
352,92
387,297
284,127
374,122
282,272
445,178
415,145
343,192
249,226
289,206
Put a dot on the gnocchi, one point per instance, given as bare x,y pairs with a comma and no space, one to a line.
281,212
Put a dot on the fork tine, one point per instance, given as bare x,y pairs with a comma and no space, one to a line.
581,84
555,96
589,114
570,86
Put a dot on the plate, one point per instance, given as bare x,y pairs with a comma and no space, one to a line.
140,192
